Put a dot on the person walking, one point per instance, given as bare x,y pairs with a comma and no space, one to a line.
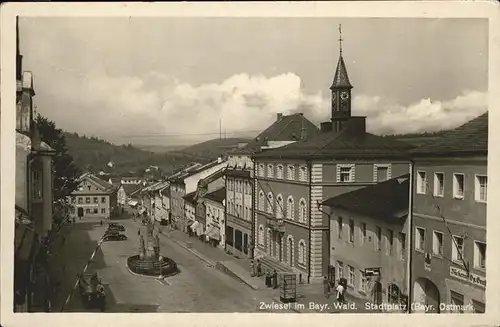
326,287
275,279
259,268
252,269
340,292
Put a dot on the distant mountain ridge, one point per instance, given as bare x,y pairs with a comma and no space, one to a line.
94,154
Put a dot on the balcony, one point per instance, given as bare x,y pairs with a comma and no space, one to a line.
277,225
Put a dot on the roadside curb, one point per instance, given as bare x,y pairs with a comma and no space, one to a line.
223,268
196,253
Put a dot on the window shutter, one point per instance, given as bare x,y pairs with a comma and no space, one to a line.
375,173
353,173
338,173
389,171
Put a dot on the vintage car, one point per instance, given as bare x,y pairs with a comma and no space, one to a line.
118,227
92,291
115,237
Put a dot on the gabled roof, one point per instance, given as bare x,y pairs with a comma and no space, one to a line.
218,195
343,144
341,79
387,201
287,128
471,137
104,186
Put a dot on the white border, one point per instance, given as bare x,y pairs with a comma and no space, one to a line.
422,9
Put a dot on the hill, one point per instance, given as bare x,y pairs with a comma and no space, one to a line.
416,139
213,148
159,148
94,154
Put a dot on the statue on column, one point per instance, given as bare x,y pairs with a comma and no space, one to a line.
157,247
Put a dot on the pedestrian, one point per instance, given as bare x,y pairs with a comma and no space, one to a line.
252,269
259,268
275,279
139,232
340,292
326,287
101,222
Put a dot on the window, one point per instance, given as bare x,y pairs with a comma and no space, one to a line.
279,206
270,203
390,241
290,208
421,182
479,255
302,253
340,269
363,232
402,242
80,200
345,173
262,200
96,199
420,239
457,248
339,227
439,184
362,281
302,211
351,231
73,210
481,189
279,172
103,199
458,186
87,200
261,235
382,173
87,211
270,171
303,173
457,301
437,243
291,172
73,199
261,170
350,280
95,210
378,243
479,307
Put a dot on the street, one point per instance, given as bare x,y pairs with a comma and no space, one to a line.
197,288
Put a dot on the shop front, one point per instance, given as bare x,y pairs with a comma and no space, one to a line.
239,236
466,292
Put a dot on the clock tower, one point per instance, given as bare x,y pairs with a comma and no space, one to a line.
341,92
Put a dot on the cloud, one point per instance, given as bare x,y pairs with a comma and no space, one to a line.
125,108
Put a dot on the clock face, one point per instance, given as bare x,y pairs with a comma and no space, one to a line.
344,95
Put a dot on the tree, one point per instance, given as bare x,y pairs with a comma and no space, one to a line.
66,172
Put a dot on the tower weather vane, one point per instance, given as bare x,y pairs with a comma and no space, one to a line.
340,37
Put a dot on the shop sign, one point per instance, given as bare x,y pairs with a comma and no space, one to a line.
471,278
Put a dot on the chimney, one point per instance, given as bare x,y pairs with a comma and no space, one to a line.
279,116
326,126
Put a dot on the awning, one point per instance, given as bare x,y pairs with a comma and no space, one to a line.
133,203
142,211
214,232
199,230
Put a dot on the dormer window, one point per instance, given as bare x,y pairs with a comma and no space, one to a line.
290,175
261,170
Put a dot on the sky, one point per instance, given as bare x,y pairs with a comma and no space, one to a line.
183,80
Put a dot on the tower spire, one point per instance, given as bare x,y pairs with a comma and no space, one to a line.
341,79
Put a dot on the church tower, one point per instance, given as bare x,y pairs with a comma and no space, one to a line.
341,92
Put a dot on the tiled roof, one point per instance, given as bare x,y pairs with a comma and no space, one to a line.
190,197
387,200
217,195
288,128
340,145
471,137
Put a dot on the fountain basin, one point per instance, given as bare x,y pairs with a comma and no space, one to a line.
151,267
